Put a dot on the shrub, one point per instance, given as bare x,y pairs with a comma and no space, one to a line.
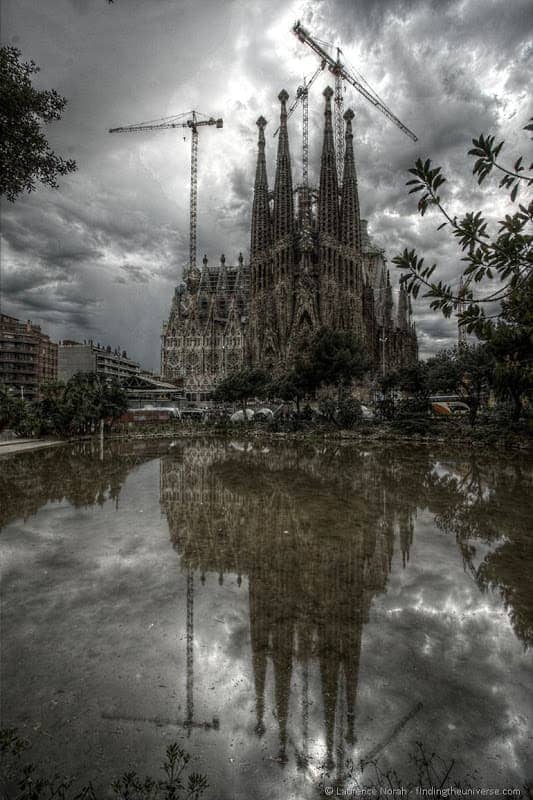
420,425
349,412
21,780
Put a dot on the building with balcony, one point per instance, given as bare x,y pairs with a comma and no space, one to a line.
111,364
28,359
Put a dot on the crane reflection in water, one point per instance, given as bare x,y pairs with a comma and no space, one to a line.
314,531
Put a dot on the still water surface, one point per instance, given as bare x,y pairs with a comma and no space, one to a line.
280,608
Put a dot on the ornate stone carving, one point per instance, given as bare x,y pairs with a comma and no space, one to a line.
306,271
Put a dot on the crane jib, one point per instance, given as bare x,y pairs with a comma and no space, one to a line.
339,71
193,125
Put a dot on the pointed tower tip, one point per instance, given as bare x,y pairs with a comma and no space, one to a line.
283,96
348,115
328,92
261,122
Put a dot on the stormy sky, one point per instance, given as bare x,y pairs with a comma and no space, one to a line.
99,258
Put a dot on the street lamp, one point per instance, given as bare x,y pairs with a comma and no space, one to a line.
383,339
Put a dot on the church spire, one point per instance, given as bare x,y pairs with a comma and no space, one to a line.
350,219
283,200
328,208
261,234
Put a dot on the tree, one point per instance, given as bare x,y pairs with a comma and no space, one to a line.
25,156
12,411
511,345
292,385
443,373
335,358
464,369
413,380
88,400
240,386
350,412
64,409
53,418
504,257
389,382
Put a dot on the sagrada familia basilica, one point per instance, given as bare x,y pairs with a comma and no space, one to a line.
310,266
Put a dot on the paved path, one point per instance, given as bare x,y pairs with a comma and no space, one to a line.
20,445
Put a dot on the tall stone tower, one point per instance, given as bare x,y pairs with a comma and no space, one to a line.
311,265
317,267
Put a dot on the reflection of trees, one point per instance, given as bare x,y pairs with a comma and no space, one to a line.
313,529
489,500
80,473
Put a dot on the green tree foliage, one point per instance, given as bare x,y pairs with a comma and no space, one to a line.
503,257
335,358
349,412
50,409
511,345
292,385
74,408
332,358
25,156
12,409
502,316
467,370
389,382
412,382
88,399
240,386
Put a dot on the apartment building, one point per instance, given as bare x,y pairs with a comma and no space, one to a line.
28,358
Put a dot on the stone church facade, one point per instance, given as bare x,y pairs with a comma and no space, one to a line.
312,265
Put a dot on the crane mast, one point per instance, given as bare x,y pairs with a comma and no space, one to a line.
175,122
338,100
302,95
304,204
193,193
341,74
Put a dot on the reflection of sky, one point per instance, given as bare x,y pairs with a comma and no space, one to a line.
435,638
95,663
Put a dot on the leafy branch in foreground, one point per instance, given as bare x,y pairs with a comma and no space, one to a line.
505,257
25,156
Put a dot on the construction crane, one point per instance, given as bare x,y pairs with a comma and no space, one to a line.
302,95
189,722
193,122
341,74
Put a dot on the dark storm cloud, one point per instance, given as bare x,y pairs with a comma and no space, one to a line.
106,249
26,279
135,274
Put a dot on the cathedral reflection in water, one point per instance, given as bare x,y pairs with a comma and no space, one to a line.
313,531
